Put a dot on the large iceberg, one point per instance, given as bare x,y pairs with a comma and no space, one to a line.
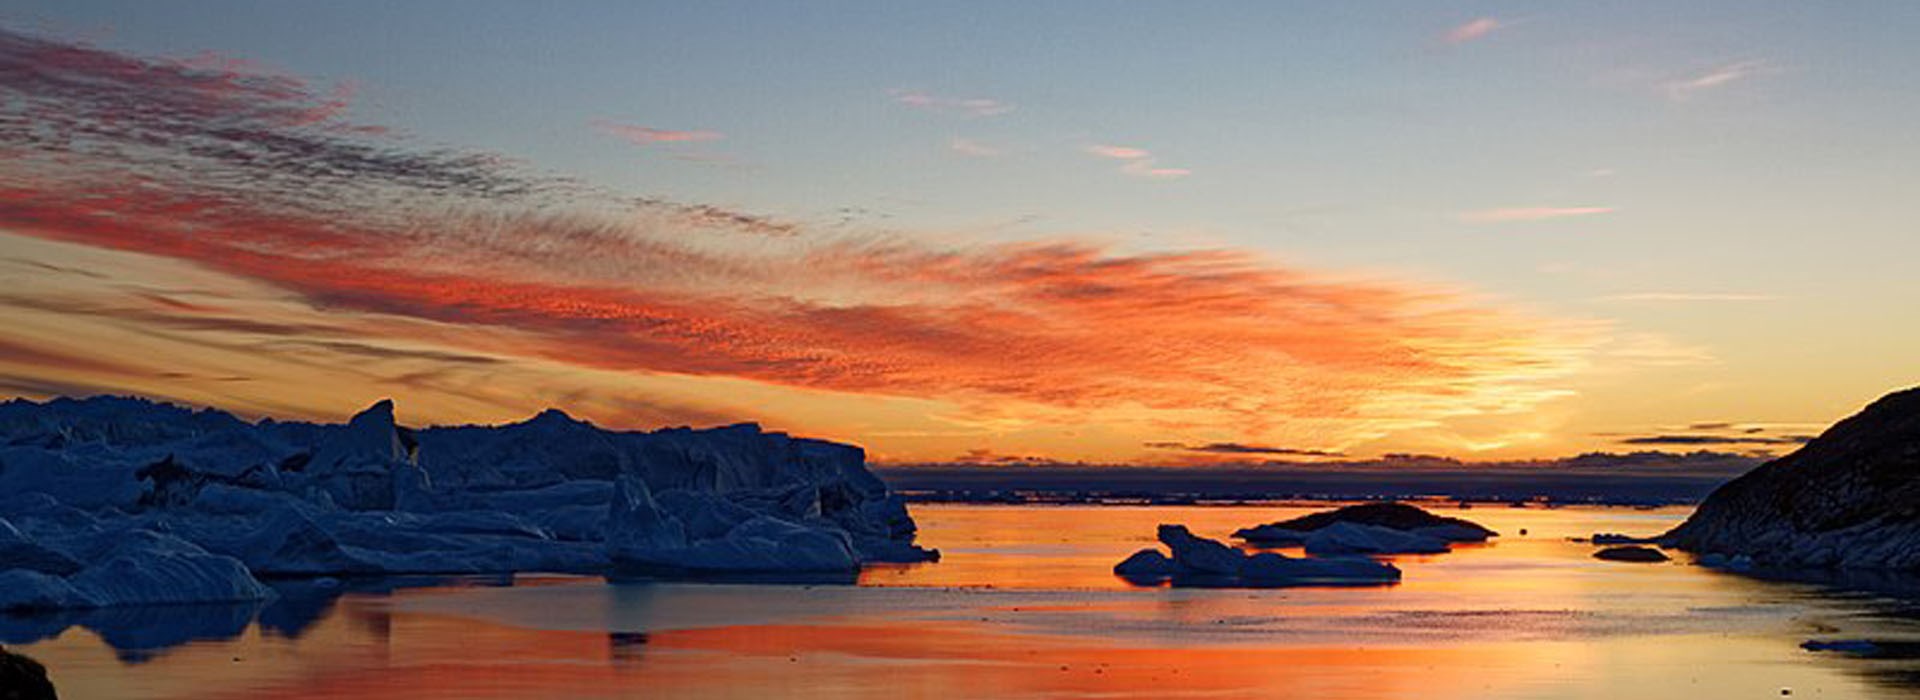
117,501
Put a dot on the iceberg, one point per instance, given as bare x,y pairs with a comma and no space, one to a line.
113,501
1351,538
1198,561
1397,517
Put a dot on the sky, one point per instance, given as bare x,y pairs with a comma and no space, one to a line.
988,232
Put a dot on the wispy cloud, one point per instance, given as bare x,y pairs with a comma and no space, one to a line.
1655,350
1238,448
1139,161
973,149
1687,297
644,135
1513,214
1716,440
1718,77
1118,152
967,106
505,263
1476,29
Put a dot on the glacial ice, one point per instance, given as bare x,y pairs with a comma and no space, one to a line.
1198,561
115,501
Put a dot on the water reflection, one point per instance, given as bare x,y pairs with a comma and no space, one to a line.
1025,605
140,634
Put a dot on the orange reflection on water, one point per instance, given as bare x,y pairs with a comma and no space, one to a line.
1025,606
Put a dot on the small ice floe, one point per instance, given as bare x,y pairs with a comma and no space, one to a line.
1632,553
1201,562
1613,538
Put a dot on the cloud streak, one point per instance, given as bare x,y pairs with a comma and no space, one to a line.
646,135
1688,297
974,149
1476,29
964,106
1506,215
1139,162
1237,448
549,270
1716,78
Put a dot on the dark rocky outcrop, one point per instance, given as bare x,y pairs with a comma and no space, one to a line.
1849,498
1392,516
22,678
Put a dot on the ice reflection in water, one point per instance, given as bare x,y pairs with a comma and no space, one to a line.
1024,605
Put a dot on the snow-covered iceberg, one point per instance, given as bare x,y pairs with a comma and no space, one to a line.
1198,561
116,501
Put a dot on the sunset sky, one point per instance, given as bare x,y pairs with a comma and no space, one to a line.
1066,231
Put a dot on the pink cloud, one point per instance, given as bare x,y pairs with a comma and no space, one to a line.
1145,168
968,106
643,135
1512,214
1118,152
1473,30
1139,161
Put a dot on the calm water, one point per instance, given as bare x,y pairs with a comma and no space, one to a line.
1024,606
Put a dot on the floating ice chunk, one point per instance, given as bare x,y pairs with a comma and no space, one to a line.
1349,538
1148,563
1199,553
1618,538
1198,561
1273,567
